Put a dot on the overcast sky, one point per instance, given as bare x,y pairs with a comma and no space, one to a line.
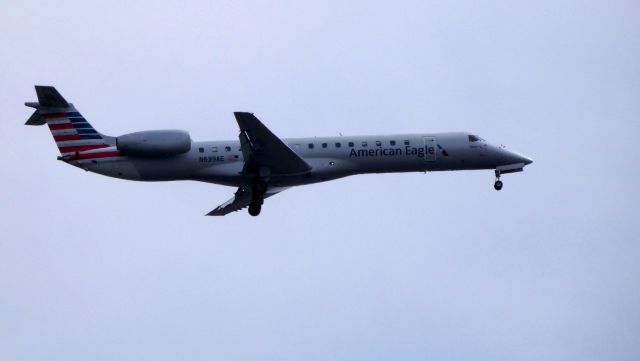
378,267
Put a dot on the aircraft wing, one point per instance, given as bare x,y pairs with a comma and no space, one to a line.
240,200
263,149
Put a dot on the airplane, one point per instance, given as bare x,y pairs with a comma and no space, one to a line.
259,163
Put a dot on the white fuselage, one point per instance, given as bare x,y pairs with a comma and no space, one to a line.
222,162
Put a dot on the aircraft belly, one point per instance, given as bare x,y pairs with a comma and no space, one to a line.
151,169
222,173
117,167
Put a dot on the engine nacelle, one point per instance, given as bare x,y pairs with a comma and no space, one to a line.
154,143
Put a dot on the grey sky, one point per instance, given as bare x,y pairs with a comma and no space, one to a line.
400,266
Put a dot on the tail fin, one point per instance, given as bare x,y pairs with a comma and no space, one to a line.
71,132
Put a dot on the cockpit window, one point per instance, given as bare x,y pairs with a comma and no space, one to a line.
474,138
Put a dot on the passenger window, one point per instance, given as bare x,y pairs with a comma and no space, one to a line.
393,142
406,142
338,145
310,145
364,144
227,148
324,145
378,143
201,150
214,149
351,144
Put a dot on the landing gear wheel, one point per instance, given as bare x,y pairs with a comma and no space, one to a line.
258,190
497,185
255,208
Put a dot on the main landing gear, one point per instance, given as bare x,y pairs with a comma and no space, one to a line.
255,207
498,184
258,189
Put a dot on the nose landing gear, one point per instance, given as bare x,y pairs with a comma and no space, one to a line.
498,184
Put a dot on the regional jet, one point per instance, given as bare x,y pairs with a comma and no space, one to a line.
259,163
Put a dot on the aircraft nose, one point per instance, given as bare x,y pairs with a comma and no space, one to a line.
522,158
515,157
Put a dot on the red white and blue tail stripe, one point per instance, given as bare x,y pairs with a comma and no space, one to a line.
75,137
73,133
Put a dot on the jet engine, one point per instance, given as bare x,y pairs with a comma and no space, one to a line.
154,143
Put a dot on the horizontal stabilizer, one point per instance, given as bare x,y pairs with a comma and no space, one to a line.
36,119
